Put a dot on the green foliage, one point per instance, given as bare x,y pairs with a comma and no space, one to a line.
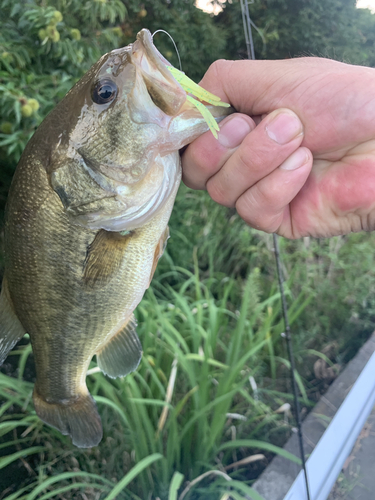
180,411
341,273
45,47
199,40
290,28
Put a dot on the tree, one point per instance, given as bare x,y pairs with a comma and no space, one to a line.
290,28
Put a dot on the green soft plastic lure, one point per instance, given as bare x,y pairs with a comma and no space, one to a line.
200,93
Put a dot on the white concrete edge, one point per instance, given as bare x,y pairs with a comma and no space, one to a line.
327,459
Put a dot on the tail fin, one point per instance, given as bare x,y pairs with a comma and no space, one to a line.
77,418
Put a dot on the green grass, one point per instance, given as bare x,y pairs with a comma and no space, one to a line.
168,423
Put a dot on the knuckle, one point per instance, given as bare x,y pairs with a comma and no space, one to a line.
250,208
247,163
218,192
250,157
216,77
218,67
247,210
267,195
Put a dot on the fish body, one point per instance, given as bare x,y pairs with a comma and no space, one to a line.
86,222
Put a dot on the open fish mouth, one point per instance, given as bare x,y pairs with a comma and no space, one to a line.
162,87
154,57
185,91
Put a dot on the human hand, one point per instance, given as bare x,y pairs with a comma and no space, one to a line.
314,179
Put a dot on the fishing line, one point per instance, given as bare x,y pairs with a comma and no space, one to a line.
287,334
175,46
247,28
288,338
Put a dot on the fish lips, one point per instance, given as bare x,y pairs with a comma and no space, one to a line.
164,90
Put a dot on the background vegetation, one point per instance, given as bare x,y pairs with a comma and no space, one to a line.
209,404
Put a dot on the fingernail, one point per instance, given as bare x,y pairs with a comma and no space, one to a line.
233,132
295,160
284,127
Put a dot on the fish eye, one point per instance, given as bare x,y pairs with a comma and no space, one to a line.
104,91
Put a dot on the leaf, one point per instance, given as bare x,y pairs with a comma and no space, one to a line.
133,473
253,443
64,476
175,485
8,459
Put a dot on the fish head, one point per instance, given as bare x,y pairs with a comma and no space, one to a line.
125,121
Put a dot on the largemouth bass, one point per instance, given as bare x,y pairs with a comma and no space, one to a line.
86,222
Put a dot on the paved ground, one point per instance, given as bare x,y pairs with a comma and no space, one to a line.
357,480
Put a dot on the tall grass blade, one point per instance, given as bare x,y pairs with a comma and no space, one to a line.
17,494
254,443
249,492
112,404
175,485
133,473
8,459
74,486
65,476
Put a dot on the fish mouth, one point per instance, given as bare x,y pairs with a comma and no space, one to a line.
164,90
173,92
154,57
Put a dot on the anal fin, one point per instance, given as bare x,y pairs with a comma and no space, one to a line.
11,330
123,352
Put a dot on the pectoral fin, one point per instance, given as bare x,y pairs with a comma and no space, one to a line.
11,330
122,354
104,257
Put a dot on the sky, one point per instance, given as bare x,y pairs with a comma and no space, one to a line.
205,5
366,4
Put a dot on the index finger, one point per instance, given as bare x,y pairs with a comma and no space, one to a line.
249,85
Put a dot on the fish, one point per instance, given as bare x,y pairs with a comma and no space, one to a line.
87,221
